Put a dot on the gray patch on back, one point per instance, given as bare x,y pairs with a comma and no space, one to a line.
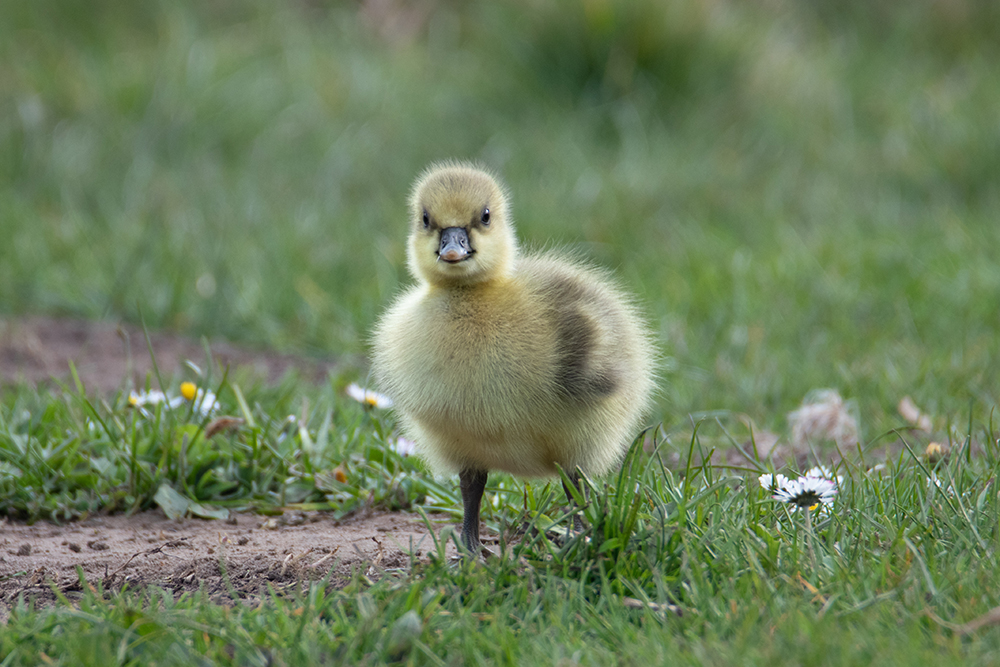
581,372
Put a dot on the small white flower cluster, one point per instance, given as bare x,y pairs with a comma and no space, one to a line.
816,487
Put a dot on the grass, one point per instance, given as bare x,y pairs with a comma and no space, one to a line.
65,456
802,194
889,573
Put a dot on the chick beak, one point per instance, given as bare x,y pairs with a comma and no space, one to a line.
454,245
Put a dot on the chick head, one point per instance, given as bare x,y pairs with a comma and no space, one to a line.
460,229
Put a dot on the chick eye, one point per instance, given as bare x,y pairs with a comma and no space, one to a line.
486,216
427,220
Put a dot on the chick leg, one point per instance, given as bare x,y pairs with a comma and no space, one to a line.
473,482
574,478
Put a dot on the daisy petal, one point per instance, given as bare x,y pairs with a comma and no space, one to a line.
773,482
404,447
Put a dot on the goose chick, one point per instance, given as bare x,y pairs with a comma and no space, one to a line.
498,360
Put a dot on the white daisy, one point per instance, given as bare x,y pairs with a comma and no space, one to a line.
367,397
205,402
153,397
807,492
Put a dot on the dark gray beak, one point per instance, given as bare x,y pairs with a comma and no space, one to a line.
455,245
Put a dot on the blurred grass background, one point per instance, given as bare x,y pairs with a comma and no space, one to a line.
803,194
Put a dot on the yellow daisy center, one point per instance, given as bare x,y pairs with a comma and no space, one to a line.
189,390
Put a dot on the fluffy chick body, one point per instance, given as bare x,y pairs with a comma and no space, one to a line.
502,361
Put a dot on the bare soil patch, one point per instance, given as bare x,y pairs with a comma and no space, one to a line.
37,350
231,560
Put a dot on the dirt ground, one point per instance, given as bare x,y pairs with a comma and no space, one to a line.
235,558
230,559
37,350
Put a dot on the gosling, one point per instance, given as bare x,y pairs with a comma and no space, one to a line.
498,360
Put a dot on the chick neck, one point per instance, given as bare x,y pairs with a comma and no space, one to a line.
484,278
